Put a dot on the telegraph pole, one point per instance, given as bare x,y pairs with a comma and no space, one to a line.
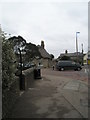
77,45
82,53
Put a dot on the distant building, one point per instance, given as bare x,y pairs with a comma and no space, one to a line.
45,56
87,58
73,56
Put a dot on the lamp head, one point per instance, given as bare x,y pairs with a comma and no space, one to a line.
77,32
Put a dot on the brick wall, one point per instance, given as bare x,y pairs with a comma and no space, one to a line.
28,78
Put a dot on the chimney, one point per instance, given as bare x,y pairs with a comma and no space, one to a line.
66,51
42,44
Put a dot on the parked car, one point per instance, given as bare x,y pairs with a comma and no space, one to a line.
28,65
25,66
68,65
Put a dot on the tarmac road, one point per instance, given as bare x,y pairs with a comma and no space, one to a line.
56,95
78,75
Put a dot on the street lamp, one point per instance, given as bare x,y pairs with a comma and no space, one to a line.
21,78
20,69
82,54
77,45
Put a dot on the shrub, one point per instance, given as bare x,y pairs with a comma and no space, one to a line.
8,65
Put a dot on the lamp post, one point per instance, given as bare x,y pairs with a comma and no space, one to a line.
21,77
77,45
82,54
20,68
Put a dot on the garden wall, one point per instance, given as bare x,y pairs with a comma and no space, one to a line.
11,95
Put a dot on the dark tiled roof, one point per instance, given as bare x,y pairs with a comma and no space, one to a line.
44,53
71,54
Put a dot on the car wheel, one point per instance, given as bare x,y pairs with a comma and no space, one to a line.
62,69
78,69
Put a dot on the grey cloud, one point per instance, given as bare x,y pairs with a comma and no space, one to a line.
56,23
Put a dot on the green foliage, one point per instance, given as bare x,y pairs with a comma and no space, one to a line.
8,65
19,41
31,51
52,56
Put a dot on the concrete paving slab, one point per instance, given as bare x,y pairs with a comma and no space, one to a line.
55,96
73,85
79,99
45,100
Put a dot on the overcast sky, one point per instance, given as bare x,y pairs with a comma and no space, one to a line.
53,21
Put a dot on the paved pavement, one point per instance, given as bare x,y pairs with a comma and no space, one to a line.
53,96
76,93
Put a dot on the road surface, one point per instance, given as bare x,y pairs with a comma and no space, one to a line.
59,94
